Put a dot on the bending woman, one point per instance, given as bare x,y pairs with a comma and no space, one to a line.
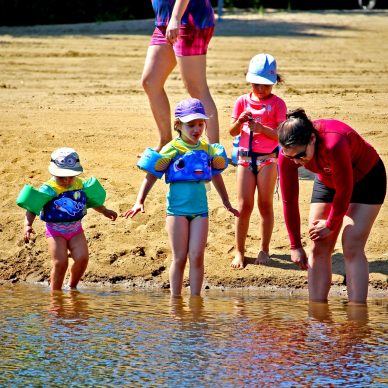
183,29
349,189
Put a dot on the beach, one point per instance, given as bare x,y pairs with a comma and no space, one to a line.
79,86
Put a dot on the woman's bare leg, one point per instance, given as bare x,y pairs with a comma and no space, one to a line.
193,72
358,223
159,63
319,261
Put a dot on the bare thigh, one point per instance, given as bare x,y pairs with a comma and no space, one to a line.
159,63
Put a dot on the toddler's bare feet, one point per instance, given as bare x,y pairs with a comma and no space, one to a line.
237,262
262,258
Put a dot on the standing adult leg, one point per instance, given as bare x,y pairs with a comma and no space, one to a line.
246,186
197,243
358,223
178,232
160,62
266,182
319,261
193,72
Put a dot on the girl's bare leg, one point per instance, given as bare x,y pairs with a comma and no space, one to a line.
193,72
159,63
246,186
80,254
266,181
197,243
178,232
57,247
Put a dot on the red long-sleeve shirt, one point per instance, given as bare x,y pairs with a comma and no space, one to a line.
342,157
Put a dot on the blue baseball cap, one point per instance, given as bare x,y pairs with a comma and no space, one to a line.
262,70
190,109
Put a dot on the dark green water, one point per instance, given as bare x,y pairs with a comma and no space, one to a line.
102,337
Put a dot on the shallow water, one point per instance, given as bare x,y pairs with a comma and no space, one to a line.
104,337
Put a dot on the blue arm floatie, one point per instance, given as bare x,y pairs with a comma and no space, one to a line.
153,162
219,161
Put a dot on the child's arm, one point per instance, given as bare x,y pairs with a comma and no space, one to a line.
28,221
108,213
236,124
260,128
145,188
219,184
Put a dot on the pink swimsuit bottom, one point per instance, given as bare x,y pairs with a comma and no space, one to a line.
66,231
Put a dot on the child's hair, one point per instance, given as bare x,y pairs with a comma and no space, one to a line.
296,129
177,124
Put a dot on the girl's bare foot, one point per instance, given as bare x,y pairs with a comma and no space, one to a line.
237,262
262,258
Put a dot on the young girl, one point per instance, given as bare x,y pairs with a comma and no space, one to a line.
188,162
255,118
62,203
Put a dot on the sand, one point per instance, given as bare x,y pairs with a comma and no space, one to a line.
78,86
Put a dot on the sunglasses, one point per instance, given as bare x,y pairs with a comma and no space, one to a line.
297,156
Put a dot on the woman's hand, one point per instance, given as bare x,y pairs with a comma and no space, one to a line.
319,230
299,257
172,31
137,207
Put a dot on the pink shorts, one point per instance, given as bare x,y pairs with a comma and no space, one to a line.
62,230
191,41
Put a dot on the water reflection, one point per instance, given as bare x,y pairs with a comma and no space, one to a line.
72,306
118,337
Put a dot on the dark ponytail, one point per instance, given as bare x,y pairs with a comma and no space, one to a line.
296,129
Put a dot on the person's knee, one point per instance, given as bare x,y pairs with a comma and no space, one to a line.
196,260
245,208
60,264
352,245
352,250
180,261
266,209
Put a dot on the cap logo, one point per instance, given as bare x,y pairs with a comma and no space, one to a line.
65,162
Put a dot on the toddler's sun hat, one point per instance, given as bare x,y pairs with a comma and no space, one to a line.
65,162
262,70
190,109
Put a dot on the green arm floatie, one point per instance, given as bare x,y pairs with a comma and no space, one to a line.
32,199
95,193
